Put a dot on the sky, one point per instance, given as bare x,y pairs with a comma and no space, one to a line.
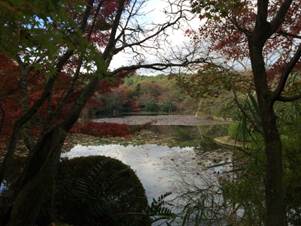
176,38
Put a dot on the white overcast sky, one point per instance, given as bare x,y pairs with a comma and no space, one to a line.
156,14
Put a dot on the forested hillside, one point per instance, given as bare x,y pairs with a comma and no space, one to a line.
140,94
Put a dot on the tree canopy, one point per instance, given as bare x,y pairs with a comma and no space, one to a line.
267,35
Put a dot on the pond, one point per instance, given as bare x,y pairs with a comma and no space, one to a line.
176,157
170,167
175,154
161,169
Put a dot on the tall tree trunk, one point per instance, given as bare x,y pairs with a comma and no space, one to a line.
274,188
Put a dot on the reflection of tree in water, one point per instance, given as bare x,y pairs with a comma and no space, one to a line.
203,205
198,197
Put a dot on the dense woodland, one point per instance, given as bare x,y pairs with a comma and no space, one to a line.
242,67
149,94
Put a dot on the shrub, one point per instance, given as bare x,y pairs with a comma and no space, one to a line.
151,106
102,129
98,191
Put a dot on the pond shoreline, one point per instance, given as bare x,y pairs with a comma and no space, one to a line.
163,120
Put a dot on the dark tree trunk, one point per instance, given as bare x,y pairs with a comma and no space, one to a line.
274,188
30,197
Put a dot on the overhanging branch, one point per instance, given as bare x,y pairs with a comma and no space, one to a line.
159,66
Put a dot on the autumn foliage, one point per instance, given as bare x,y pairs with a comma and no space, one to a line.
11,101
226,24
101,129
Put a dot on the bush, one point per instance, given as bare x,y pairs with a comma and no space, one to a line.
101,129
98,191
151,106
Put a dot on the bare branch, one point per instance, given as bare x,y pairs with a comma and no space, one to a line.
131,14
111,43
159,66
155,34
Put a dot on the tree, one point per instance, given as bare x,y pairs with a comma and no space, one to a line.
267,33
77,39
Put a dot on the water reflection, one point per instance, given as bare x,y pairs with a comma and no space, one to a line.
161,169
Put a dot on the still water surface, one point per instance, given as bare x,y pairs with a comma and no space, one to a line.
161,169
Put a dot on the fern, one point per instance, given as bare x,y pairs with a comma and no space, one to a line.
99,191
159,210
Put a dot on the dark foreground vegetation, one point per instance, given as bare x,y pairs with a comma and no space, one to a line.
95,191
